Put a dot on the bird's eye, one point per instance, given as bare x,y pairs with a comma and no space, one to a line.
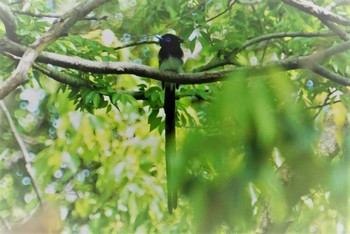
167,39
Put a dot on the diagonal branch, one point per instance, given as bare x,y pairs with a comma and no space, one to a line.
56,75
7,17
333,27
318,11
318,69
62,77
229,7
337,3
24,150
20,74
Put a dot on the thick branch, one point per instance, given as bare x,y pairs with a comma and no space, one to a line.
20,74
7,17
117,67
318,69
318,11
304,62
110,67
325,16
56,75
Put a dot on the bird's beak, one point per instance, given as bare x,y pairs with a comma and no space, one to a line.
160,38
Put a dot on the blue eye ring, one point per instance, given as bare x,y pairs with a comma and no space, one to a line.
167,39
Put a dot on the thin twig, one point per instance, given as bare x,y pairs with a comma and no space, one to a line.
28,13
24,151
105,17
229,7
135,44
325,103
256,40
6,224
35,15
279,35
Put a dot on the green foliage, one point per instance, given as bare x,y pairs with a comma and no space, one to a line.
265,153
238,154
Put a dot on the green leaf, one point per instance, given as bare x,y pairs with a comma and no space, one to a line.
154,120
89,97
96,100
115,98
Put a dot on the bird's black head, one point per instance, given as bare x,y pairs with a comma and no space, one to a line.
169,40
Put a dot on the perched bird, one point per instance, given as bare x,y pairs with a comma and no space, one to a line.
170,59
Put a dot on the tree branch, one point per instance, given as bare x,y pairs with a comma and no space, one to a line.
318,11
56,75
283,35
62,77
20,74
6,224
54,16
25,153
74,81
35,15
333,27
229,7
111,67
322,55
135,44
7,17
251,42
337,4
318,69
304,62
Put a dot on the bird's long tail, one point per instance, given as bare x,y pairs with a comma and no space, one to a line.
170,144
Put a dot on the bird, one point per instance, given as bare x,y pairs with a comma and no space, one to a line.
170,59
